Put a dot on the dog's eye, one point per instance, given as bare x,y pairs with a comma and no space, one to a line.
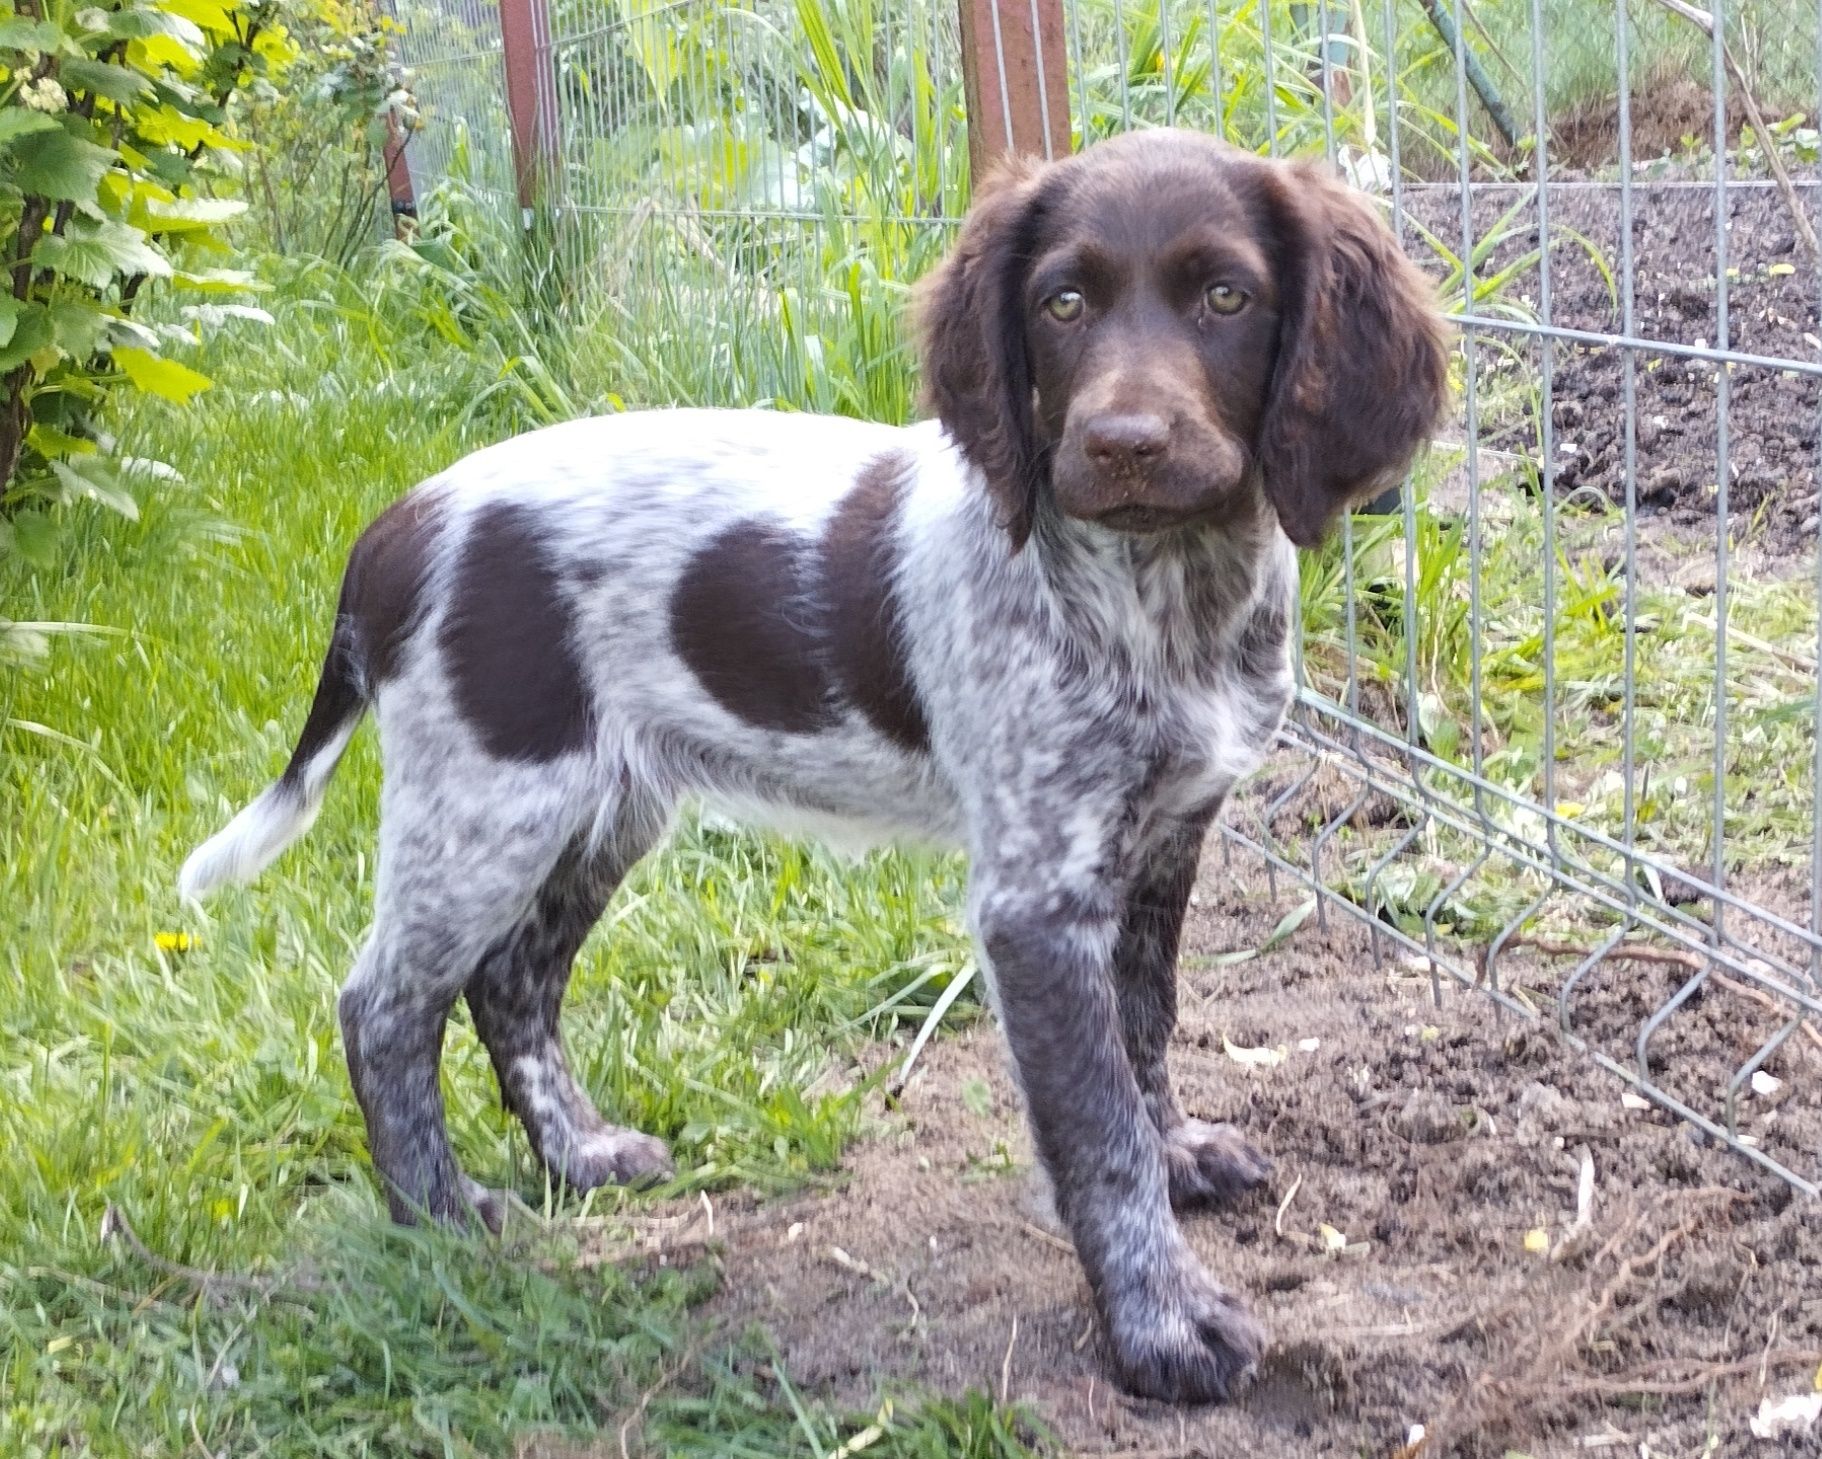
1224,298
1064,306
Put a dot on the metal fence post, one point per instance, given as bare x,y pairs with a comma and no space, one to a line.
398,178
1015,80
531,100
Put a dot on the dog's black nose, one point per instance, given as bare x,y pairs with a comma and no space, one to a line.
1125,439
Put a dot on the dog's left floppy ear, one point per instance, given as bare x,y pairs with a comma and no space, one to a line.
1362,371
971,321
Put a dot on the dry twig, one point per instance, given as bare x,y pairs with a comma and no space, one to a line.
114,1224
1049,1238
1285,1205
666,1376
1550,1368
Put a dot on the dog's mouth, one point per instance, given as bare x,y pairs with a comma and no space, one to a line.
1145,519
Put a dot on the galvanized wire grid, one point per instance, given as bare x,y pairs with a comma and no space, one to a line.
453,50
753,186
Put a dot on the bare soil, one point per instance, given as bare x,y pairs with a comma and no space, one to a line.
1667,113
1418,1147
1772,310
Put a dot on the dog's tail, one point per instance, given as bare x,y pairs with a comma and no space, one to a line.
242,848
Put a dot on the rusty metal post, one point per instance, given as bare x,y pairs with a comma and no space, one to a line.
1015,80
398,178
531,99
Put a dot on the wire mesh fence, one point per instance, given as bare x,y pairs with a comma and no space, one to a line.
455,53
1555,734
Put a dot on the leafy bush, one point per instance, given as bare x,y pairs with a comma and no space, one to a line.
114,144
318,161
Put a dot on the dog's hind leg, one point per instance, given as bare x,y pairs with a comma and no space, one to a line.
516,995
465,847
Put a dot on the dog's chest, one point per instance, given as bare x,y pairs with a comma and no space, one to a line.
1214,736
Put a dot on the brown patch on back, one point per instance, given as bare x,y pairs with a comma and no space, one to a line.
866,633
383,589
743,620
507,636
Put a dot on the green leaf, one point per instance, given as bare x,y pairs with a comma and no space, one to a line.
92,479
49,442
116,83
647,30
159,376
211,16
173,169
1440,731
35,539
31,333
141,23
1288,924
77,325
19,121
9,318
56,165
124,331
18,33
219,281
95,252
186,215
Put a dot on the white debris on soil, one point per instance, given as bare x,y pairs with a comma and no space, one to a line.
1778,1418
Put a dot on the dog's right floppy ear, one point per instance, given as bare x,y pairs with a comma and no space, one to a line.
1363,355
971,322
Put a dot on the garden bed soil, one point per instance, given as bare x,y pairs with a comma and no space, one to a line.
1432,1140
1773,415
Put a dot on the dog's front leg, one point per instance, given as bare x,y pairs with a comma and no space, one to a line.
1208,1163
1048,926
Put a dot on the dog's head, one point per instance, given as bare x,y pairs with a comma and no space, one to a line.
1155,331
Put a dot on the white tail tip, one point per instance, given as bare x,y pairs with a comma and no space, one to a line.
248,843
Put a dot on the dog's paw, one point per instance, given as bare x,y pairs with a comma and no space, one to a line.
611,1156
1200,1347
483,1204
1211,1164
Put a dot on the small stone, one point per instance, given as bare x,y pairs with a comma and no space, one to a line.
1429,1119
1542,1106
1697,578
1683,887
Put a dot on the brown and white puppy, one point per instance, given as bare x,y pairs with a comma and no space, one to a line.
1051,627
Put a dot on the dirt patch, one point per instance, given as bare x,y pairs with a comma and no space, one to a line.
1431,1140
1772,415
1667,114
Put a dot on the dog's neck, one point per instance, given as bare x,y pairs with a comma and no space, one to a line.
1160,601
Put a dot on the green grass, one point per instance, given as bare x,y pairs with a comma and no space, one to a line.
1767,808
202,1091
